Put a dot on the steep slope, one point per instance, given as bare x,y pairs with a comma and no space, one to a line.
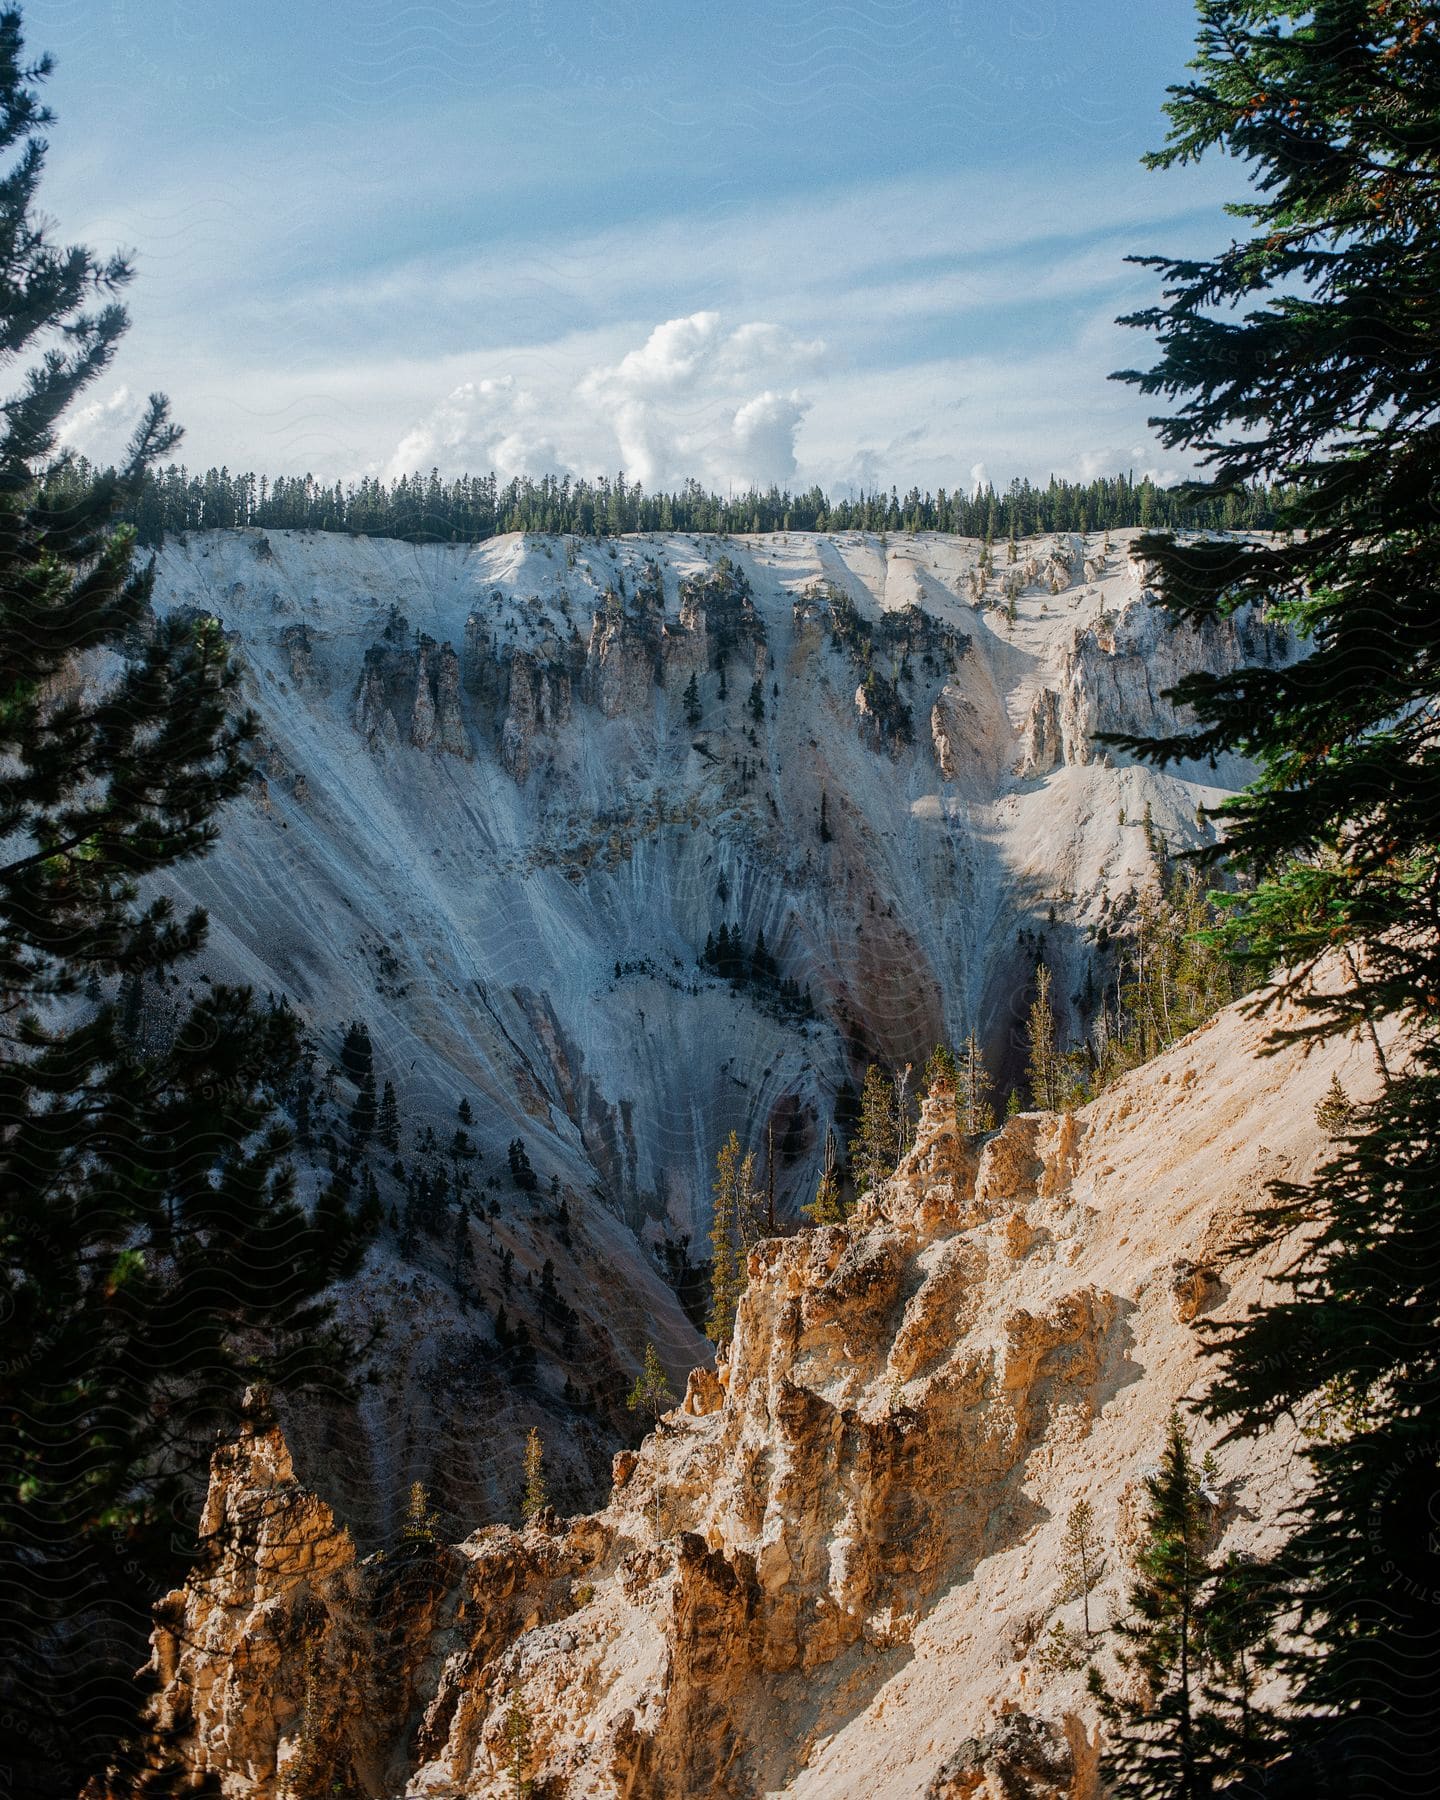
497,824
830,1572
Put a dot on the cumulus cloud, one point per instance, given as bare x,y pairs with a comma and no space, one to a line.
763,433
694,398
668,362
685,401
101,428
979,477
480,425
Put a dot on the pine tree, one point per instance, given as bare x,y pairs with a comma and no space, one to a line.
307,1773
1309,353
827,1208
903,1122
464,1249
420,1527
1082,1559
387,1128
692,702
875,1148
734,1227
1335,1114
941,1073
521,1172
825,832
1242,1602
155,1262
517,1742
537,1494
1043,1068
651,1392
1154,1743
357,1055
362,1114
762,963
974,1096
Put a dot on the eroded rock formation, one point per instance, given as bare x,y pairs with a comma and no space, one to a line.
827,1573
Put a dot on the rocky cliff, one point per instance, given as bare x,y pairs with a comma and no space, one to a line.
507,793
833,1569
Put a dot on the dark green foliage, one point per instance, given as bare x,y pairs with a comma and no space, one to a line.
893,717
692,701
1168,974
470,508
522,1174
730,615
1192,1648
387,1127
735,1225
756,702
1309,353
464,1250
879,1139
651,1392
362,1114
895,635
1153,1744
828,1206
757,971
763,966
155,1261
357,1056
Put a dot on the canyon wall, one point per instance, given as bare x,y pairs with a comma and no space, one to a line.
833,1568
506,794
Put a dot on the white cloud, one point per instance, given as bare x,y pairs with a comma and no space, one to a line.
979,475
674,401
796,343
101,429
490,424
666,363
682,402
764,437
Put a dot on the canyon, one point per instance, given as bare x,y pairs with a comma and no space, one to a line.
833,1568
505,793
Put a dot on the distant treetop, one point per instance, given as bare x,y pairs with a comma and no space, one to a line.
425,509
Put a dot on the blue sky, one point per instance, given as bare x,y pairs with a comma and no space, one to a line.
859,243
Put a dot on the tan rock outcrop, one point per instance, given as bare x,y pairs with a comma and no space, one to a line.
857,1512
1042,743
420,686
969,732
621,662
299,648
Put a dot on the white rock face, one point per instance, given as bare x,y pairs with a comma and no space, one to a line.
1043,742
501,840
